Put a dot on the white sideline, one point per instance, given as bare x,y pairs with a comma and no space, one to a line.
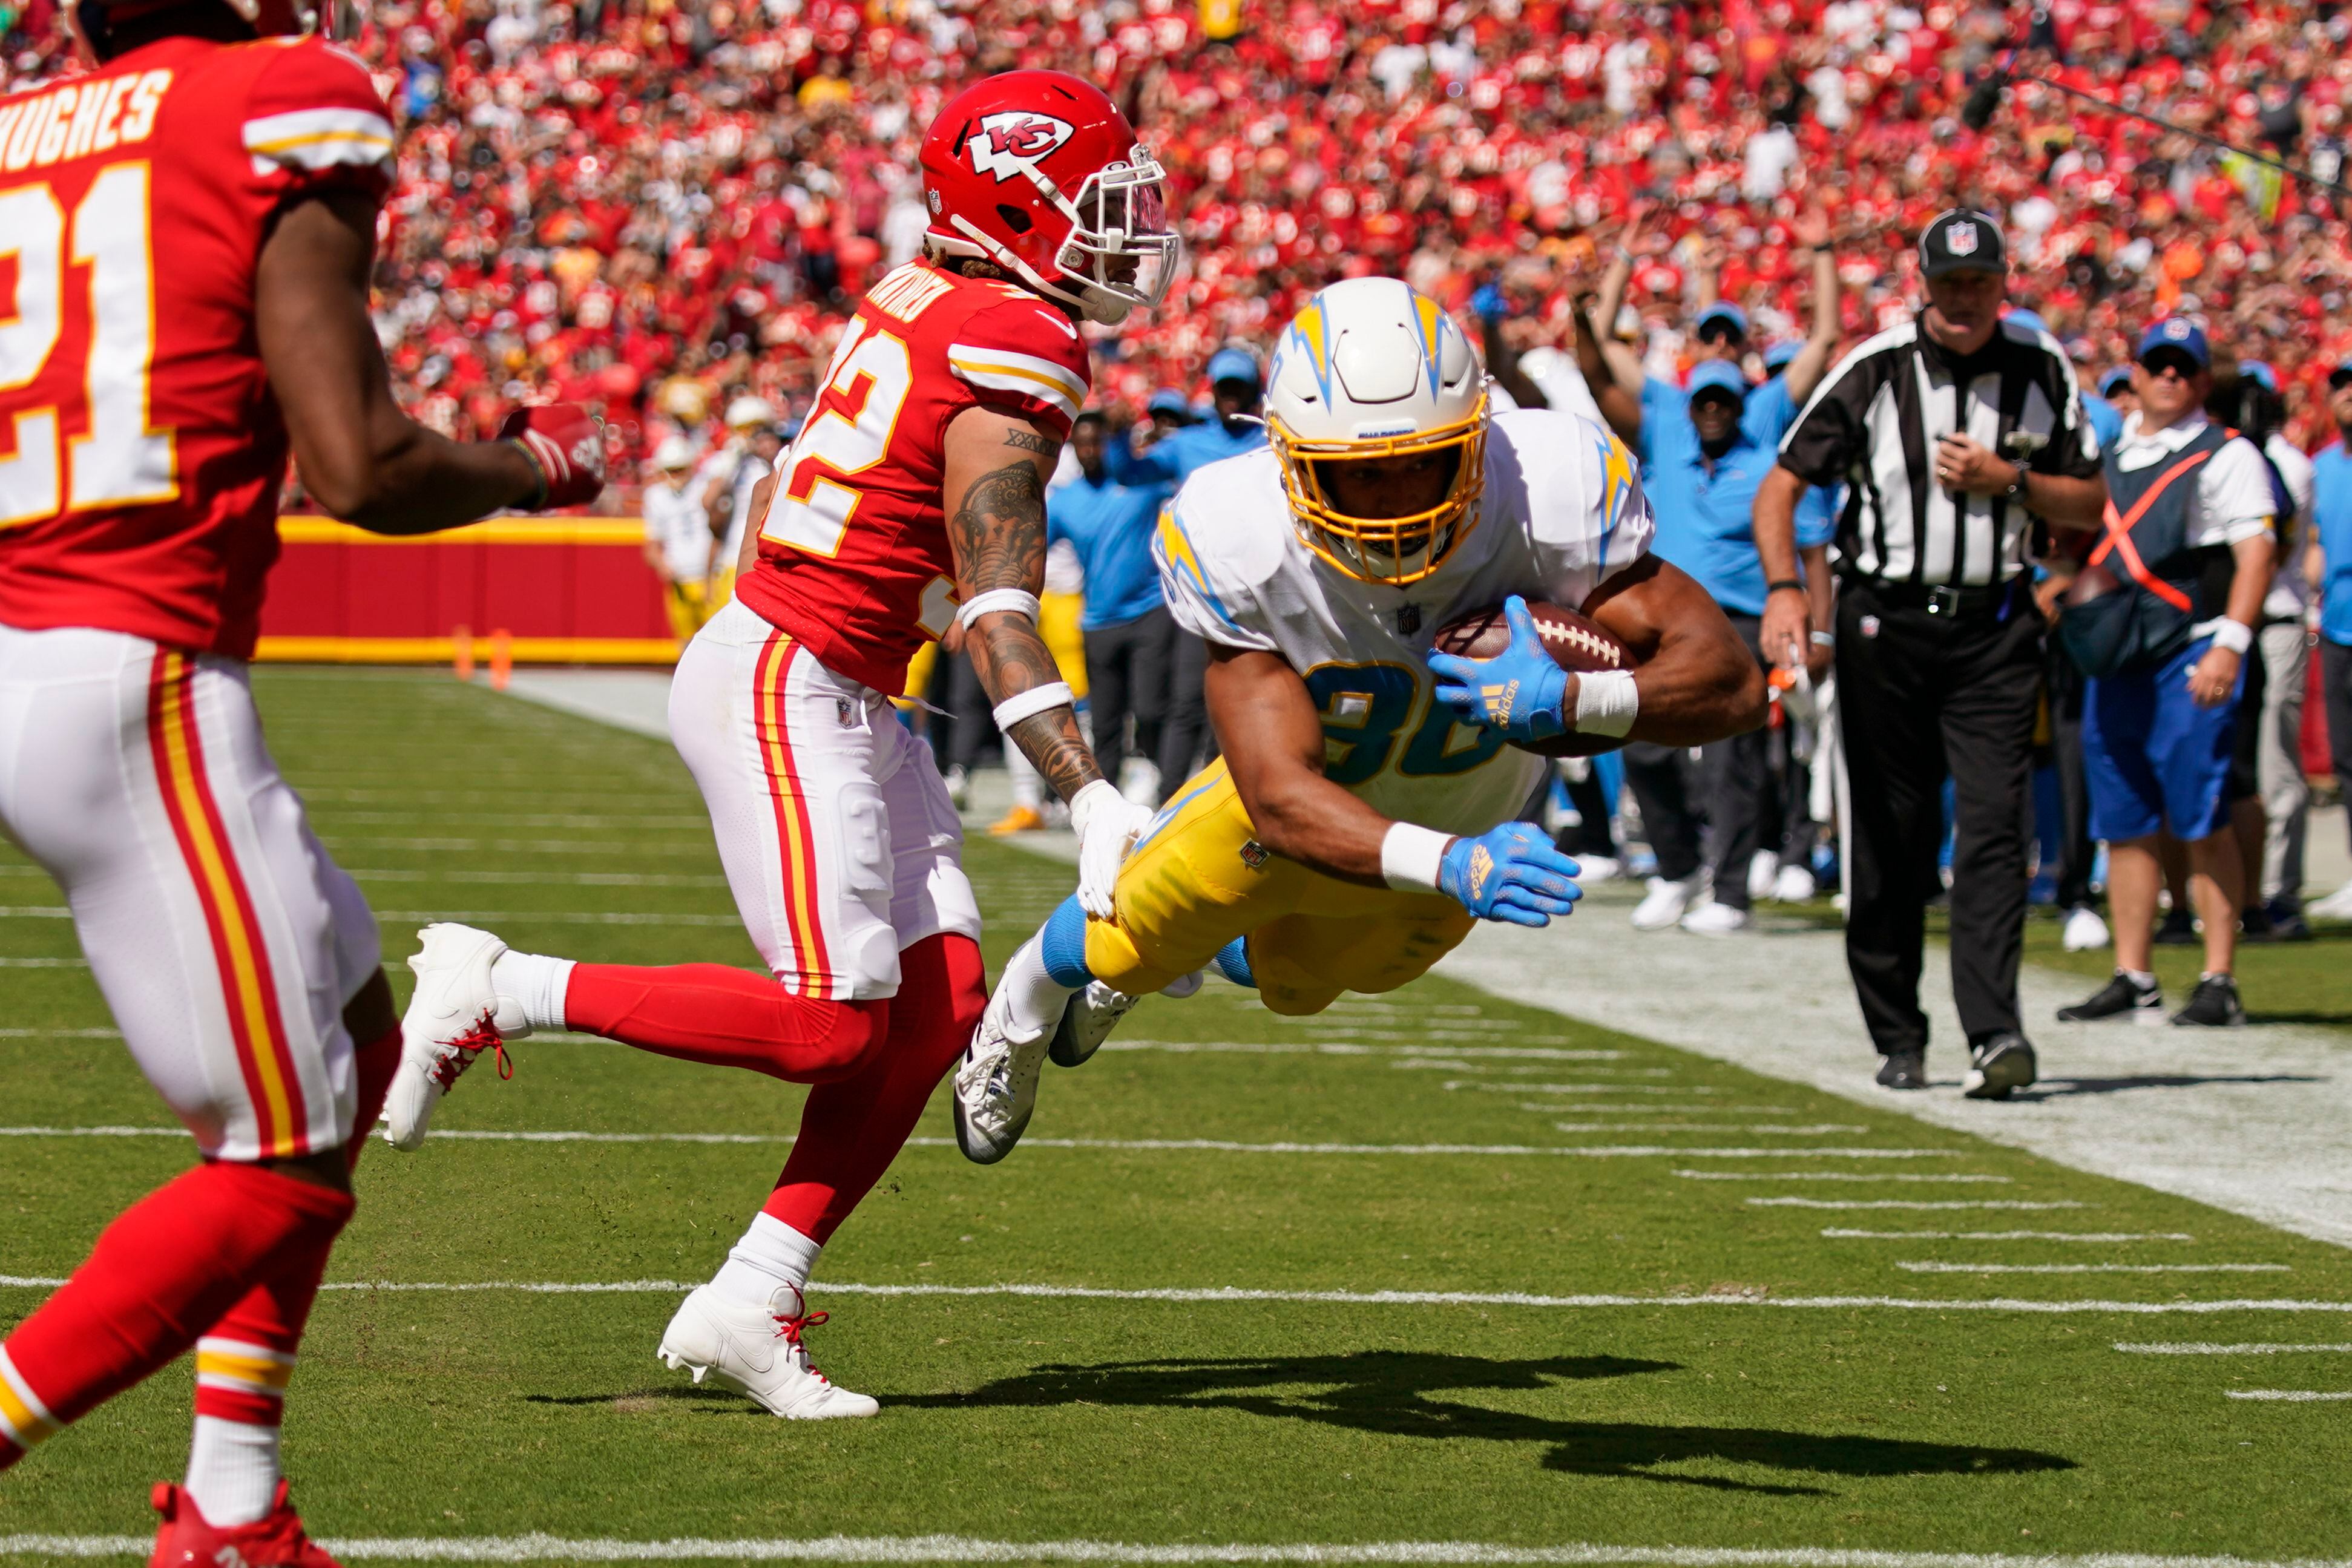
539,1548
2010,1235
1907,1203
2292,1396
1917,1267
1234,1293
2207,1347
1833,1175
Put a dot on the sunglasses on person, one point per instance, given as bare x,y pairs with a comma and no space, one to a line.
1715,329
2172,360
2339,377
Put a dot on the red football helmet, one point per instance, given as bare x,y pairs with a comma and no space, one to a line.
1040,173
93,20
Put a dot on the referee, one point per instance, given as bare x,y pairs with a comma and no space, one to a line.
1951,432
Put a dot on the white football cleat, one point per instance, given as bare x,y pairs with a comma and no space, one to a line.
456,1014
759,1351
2336,906
1092,1014
2085,931
1598,868
1713,919
1795,885
996,1083
1665,903
1763,869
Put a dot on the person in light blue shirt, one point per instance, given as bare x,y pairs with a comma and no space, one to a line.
2329,567
1238,387
2099,407
1126,625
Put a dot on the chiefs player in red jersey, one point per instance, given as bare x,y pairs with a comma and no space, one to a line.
188,231
912,502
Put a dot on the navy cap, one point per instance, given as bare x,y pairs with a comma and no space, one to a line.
1722,310
1234,365
1961,241
2115,380
1717,375
2175,332
1168,400
1777,356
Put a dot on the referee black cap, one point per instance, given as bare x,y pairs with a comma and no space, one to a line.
1961,241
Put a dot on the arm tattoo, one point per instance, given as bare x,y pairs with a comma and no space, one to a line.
1030,441
999,531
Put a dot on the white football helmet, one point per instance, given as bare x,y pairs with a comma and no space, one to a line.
1371,371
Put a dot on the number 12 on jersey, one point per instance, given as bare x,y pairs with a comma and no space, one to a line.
849,433
118,460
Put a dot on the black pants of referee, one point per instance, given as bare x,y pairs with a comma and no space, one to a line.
1186,739
1733,791
1127,678
1923,694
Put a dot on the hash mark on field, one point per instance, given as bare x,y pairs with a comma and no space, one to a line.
2206,1347
61,1034
1922,1268
1334,1047
1831,1176
44,963
2295,1395
1905,1202
1578,1088
1815,1130
35,912
965,1549
2010,1235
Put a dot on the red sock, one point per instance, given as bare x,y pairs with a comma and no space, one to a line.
160,1275
710,1013
851,1130
243,1362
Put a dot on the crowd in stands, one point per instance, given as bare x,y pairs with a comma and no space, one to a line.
656,205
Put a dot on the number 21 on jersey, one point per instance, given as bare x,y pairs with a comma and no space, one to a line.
117,460
857,411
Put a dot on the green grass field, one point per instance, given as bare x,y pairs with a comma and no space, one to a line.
1703,1361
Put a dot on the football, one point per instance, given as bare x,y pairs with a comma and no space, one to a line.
1576,642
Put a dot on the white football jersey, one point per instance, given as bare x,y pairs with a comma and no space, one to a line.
1563,512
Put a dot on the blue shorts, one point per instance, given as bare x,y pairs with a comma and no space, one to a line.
2153,757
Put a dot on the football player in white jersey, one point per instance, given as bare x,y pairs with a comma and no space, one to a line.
1362,818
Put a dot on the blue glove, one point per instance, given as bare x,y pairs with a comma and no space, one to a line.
1510,873
1489,303
1520,690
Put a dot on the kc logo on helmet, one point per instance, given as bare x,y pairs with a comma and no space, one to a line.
1961,239
1009,142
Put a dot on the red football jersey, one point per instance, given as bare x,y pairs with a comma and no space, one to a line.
141,449
854,558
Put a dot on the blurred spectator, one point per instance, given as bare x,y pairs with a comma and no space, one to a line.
2165,648
725,481
2328,567
1126,626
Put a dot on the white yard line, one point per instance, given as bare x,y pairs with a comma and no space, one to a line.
2010,1235
1833,1175
2292,1396
44,963
2257,1121
1914,1267
1814,1131
1230,1293
539,1548
1906,1203
1334,1047
2205,1347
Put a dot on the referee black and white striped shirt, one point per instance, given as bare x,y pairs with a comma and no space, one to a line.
1873,426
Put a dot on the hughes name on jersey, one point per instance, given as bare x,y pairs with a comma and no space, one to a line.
1562,512
854,555
140,448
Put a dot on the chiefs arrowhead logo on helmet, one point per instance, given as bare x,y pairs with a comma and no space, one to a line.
1011,142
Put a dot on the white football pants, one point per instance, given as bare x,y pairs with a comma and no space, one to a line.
221,934
839,841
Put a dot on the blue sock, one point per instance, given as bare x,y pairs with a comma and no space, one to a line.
1062,945
1233,963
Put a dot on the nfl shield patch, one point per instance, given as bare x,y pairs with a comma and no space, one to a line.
1961,239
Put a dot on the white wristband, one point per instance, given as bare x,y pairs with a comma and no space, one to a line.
2234,635
1411,856
1017,601
1032,701
1606,702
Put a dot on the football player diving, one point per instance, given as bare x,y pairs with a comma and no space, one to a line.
1363,815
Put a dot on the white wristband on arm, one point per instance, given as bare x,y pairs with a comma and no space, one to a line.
2234,635
1018,601
1606,702
1411,856
1032,701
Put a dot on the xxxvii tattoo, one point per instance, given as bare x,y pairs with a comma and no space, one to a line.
999,530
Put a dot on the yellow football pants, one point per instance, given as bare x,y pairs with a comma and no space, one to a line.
688,604
1199,879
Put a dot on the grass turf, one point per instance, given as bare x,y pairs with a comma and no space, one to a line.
1051,1419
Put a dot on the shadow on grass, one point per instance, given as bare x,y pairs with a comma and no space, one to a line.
685,1393
1390,1392
2056,1087
2332,1021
